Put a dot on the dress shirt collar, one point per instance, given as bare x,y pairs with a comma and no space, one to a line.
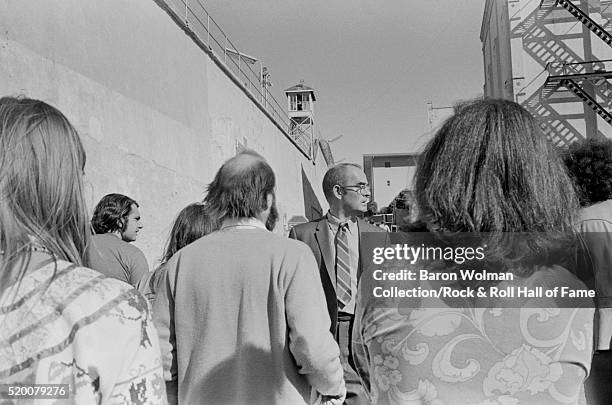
243,223
335,222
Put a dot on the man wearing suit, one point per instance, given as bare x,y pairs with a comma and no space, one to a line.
335,241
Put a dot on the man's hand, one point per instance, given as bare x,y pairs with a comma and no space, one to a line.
333,399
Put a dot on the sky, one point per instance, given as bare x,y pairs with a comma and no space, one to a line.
374,65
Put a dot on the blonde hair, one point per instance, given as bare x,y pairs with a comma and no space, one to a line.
41,186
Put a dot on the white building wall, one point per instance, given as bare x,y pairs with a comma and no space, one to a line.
390,181
157,116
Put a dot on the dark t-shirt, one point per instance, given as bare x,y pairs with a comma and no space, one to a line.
115,258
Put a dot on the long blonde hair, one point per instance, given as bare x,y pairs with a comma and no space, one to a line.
41,186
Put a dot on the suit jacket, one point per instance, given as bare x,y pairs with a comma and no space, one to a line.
316,235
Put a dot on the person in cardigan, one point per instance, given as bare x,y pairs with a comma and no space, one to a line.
590,165
335,241
116,223
488,179
60,322
241,317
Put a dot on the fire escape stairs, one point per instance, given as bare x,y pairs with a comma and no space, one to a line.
550,50
528,24
580,16
558,133
547,51
550,86
555,128
587,98
572,75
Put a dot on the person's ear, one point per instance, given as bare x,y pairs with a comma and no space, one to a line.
338,191
269,200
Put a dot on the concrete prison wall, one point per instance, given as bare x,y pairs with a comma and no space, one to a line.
157,116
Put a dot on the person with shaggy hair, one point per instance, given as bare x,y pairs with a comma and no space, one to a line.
589,163
116,223
489,178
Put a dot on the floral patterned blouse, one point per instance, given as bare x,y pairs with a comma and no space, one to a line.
496,355
71,325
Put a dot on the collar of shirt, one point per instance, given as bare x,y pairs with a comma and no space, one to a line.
334,223
243,223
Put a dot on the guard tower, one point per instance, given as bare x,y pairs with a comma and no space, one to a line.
300,103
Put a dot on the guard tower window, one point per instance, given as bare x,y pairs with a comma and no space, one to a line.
297,102
300,104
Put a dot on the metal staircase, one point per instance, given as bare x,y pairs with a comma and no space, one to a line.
548,50
566,70
530,22
580,16
588,100
559,131
573,76
545,48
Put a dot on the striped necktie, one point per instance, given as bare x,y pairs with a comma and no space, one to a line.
343,268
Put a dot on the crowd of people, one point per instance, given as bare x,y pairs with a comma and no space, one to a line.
238,314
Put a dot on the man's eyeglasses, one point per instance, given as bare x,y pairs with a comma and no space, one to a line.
363,189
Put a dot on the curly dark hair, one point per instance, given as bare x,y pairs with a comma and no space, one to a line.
111,213
589,163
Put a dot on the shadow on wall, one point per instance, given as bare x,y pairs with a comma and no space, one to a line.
312,208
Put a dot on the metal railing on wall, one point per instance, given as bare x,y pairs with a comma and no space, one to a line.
249,71
597,67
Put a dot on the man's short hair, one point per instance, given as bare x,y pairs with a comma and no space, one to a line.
111,213
241,187
334,176
589,163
